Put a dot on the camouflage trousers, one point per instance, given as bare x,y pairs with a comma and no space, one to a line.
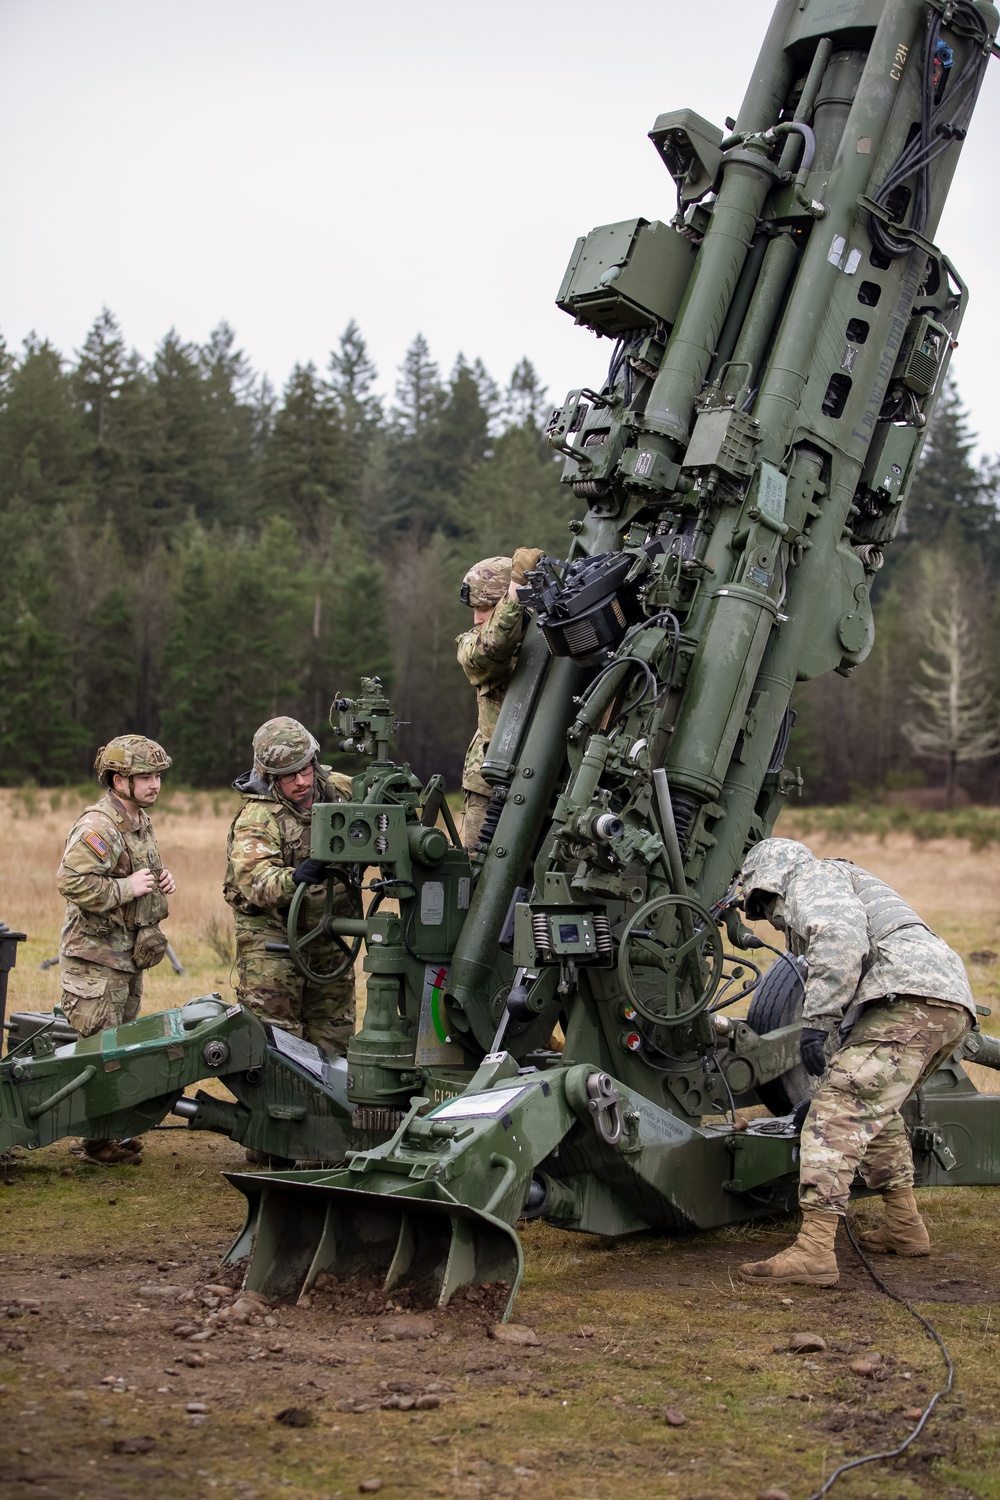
271,986
854,1121
95,997
475,811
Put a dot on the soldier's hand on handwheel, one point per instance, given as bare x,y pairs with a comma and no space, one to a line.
310,872
811,1050
141,882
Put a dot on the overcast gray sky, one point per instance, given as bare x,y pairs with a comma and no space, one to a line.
290,164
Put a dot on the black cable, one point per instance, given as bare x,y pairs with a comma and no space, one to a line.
789,959
871,1458
937,130
747,989
713,1058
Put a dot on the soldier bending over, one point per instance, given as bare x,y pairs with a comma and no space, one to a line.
487,655
886,1002
115,888
268,857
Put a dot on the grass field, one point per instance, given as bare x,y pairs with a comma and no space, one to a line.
95,1385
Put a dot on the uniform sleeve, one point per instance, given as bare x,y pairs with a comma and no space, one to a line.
484,654
257,865
831,921
84,875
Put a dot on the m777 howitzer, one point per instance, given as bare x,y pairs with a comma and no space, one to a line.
779,345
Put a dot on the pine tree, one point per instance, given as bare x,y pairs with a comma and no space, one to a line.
100,374
352,378
230,390
40,737
419,396
514,499
304,470
525,401
433,697
948,484
238,630
43,438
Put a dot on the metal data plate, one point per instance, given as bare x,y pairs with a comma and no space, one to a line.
480,1106
304,1053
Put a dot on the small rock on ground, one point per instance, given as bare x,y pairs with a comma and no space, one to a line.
515,1333
407,1326
806,1343
295,1416
133,1445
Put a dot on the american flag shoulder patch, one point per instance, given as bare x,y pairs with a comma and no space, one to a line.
96,843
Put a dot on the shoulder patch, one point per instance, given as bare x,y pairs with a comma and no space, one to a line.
96,843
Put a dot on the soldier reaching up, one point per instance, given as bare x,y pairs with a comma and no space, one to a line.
487,655
115,888
886,1002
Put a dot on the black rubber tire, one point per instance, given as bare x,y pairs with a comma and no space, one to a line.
777,1002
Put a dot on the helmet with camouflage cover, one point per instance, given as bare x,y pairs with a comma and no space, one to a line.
130,755
485,584
282,746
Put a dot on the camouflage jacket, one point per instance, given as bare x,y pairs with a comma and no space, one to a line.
488,656
860,938
104,847
270,836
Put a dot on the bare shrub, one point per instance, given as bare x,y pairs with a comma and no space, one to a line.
219,935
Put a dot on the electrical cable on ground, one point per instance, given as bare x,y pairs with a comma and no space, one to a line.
871,1458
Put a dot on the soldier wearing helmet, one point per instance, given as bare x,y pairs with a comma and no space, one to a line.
886,1001
115,888
487,655
268,857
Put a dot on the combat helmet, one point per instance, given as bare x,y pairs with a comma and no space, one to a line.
130,755
282,746
485,584
767,872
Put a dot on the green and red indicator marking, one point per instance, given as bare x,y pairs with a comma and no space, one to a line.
437,999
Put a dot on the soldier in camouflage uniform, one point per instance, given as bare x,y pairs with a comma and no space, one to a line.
115,888
487,655
886,1002
268,857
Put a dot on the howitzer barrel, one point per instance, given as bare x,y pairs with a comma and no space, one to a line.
508,859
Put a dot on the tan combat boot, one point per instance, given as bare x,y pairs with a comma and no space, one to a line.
904,1231
811,1261
106,1153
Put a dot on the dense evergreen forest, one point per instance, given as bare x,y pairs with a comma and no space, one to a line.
186,554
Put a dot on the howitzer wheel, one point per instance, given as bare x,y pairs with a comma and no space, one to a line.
777,1001
691,963
350,948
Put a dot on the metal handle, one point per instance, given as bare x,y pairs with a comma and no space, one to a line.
63,1093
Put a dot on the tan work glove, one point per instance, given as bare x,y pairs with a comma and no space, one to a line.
524,561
